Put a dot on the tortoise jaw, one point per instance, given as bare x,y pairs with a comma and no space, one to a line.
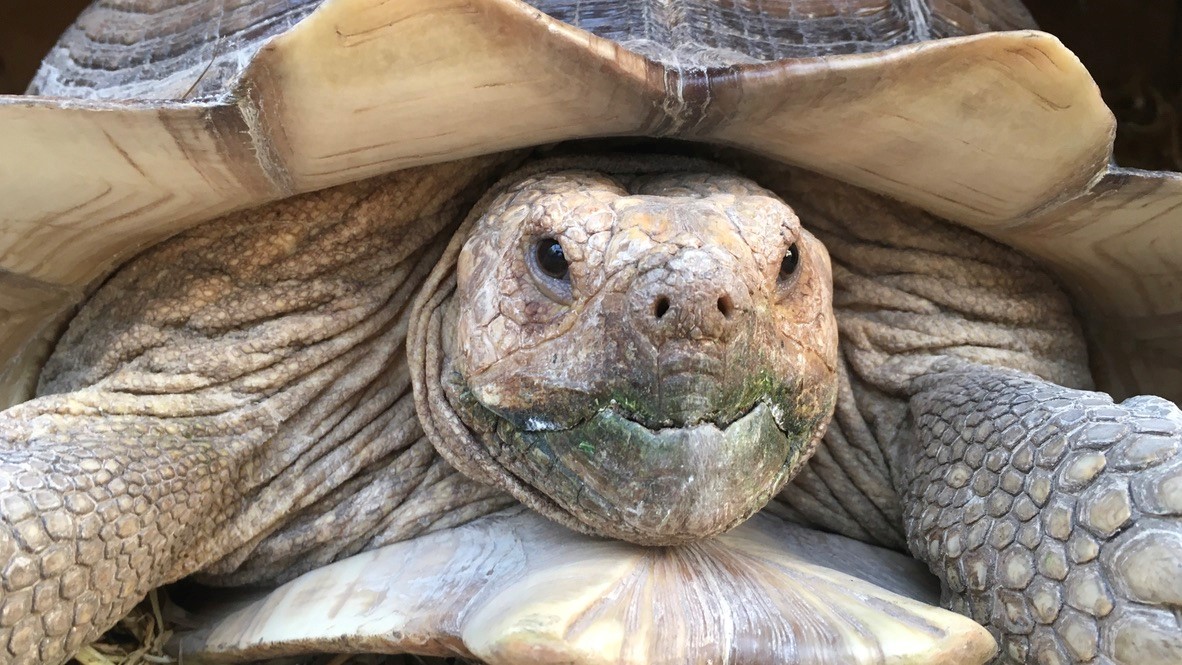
657,486
613,411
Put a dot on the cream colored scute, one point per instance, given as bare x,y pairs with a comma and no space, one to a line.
1119,251
363,88
563,597
983,130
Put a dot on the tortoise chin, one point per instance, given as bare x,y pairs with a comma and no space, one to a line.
657,486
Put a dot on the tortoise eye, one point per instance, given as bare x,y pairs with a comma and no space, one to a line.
551,259
790,262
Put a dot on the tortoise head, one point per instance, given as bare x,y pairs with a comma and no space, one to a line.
642,354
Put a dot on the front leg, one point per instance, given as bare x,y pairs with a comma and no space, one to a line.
94,513
235,401
1053,516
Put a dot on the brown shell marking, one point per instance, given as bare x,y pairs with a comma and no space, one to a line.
717,33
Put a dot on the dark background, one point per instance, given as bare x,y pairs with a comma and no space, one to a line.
1132,47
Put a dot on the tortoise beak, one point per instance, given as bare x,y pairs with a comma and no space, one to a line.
672,485
516,588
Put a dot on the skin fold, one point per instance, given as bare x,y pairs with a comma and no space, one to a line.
364,365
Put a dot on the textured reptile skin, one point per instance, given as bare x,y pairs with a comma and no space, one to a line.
90,523
234,420
1052,515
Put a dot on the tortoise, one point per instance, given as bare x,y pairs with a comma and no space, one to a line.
257,397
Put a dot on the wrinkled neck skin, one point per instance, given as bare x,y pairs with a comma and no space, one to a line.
642,349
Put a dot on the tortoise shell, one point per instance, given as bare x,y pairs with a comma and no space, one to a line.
149,117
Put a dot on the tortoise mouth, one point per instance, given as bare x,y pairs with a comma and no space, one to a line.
615,410
654,486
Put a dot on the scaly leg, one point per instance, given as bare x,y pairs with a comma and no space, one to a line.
1053,516
94,512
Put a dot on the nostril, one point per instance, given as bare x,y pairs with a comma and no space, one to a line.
726,306
660,307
